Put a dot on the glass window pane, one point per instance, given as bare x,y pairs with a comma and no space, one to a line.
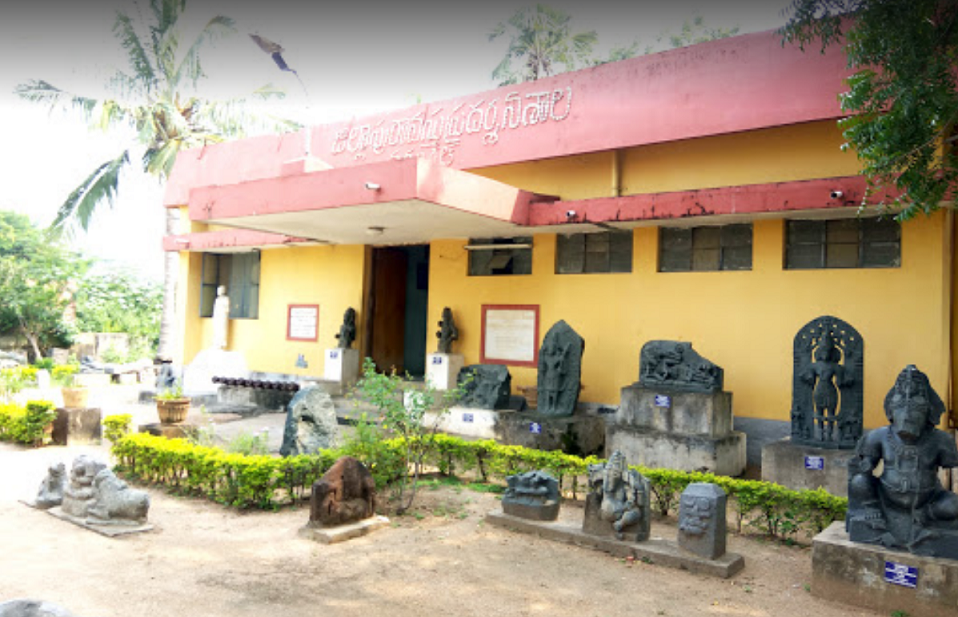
597,252
881,255
675,239
207,296
804,256
706,237
845,230
210,269
706,259
570,253
880,230
737,258
841,256
620,258
803,232
479,263
737,235
675,261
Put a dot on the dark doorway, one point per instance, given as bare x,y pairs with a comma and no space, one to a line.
399,295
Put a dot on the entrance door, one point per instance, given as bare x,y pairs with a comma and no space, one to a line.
399,297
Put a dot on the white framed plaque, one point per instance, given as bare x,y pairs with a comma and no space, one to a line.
302,322
510,334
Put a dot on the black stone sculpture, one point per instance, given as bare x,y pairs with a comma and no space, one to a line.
560,368
702,523
532,495
448,332
618,501
347,331
674,365
827,384
906,507
485,386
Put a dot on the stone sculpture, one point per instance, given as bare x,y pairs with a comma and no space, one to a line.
906,507
827,384
80,494
674,365
116,503
52,487
618,501
311,423
347,331
533,495
448,332
221,317
702,525
560,368
32,608
346,493
485,386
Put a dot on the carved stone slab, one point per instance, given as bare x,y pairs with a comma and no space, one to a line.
702,525
485,386
560,370
533,495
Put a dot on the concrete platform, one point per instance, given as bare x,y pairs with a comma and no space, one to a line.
341,533
655,550
806,467
110,531
858,575
724,456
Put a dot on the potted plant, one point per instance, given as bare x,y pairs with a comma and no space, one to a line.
172,405
74,395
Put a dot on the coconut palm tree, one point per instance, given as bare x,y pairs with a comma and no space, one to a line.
542,39
157,100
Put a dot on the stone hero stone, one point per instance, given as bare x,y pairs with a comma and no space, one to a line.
311,423
347,331
448,332
560,369
702,524
346,493
906,508
485,386
532,495
827,384
674,365
618,501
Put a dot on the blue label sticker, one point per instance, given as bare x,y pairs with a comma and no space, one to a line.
467,417
663,400
535,428
333,354
900,574
437,359
815,462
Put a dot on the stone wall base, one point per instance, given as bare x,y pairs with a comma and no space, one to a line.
723,456
785,463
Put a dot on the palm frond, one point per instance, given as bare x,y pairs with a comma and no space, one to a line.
44,93
191,67
99,186
144,72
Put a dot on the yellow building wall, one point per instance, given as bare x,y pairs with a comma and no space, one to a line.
330,276
743,321
782,154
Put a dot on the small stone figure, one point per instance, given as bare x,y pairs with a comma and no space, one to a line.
311,423
702,526
347,331
618,501
485,386
560,368
52,487
80,494
166,377
533,495
221,316
115,502
676,366
346,493
448,332
827,386
906,507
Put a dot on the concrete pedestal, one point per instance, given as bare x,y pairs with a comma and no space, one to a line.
806,467
881,579
209,363
77,426
442,370
690,431
342,366
341,533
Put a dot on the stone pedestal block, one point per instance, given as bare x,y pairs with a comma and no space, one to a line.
77,426
806,467
881,579
724,456
706,414
442,369
342,365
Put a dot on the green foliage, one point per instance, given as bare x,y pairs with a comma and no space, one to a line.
26,424
542,40
172,393
117,301
62,374
44,363
13,380
117,426
249,444
902,103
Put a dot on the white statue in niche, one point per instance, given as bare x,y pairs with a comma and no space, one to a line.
221,315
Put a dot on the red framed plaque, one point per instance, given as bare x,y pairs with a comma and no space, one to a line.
510,334
302,322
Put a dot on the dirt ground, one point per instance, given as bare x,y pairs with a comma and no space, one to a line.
205,559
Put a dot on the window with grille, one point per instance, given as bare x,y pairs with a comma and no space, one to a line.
239,273
700,249
843,243
500,256
609,251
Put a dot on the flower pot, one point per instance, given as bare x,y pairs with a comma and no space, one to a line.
76,396
172,411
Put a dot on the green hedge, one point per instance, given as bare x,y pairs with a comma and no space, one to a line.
269,482
26,424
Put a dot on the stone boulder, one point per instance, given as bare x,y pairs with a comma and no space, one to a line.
32,608
311,423
345,494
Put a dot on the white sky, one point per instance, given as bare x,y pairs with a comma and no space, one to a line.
355,58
